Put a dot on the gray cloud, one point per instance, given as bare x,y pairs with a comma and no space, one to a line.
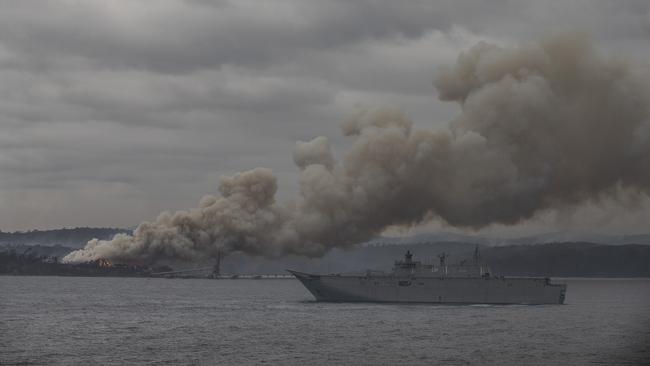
135,102
175,36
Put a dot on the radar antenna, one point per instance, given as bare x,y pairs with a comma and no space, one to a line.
408,257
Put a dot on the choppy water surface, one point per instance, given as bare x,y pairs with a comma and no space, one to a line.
116,321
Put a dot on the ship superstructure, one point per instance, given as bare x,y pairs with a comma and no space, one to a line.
467,282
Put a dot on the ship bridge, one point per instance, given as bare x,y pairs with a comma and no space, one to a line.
409,267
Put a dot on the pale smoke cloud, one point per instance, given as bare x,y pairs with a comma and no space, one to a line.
543,126
316,151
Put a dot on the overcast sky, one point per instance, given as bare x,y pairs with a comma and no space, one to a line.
112,111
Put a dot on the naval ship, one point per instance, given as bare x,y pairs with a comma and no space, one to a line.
414,282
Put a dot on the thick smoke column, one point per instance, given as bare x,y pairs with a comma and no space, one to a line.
543,126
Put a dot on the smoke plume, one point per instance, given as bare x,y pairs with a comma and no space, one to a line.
542,126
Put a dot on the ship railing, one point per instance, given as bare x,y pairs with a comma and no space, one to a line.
367,273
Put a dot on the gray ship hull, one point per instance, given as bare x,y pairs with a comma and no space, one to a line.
443,290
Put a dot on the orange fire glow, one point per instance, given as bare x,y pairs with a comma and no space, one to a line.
104,263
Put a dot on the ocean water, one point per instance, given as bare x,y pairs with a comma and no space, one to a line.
122,321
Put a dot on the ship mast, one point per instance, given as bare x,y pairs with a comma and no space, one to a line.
443,261
216,270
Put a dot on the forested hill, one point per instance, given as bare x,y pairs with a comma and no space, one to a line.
562,259
570,260
73,238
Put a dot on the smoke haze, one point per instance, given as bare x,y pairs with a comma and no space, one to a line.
545,125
